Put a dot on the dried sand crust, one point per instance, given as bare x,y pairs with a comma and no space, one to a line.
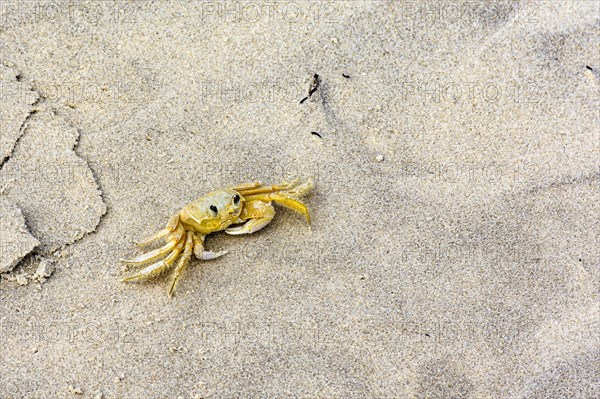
16,239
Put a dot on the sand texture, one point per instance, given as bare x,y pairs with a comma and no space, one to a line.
453,251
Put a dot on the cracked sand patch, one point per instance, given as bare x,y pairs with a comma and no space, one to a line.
16,241
16,100
53,186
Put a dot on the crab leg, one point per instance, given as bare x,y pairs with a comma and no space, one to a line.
298,190
159,266
159,253
294,205
155,237
283,200
201,254
171,226
269,189
183,261
247,186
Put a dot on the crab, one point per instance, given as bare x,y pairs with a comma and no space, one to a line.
244,209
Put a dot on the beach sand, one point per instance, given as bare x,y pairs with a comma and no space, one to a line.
453,251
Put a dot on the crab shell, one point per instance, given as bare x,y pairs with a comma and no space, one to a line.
215,211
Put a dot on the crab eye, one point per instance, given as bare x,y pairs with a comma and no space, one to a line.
214,209
236,199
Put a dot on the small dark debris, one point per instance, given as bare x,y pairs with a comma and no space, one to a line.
313,87
428,335
316,134
346,76
19,77
589,67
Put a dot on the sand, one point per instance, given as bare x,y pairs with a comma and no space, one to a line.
454,246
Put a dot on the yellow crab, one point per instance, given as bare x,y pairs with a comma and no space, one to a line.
249,204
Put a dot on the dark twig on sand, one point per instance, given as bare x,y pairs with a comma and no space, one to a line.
313,88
